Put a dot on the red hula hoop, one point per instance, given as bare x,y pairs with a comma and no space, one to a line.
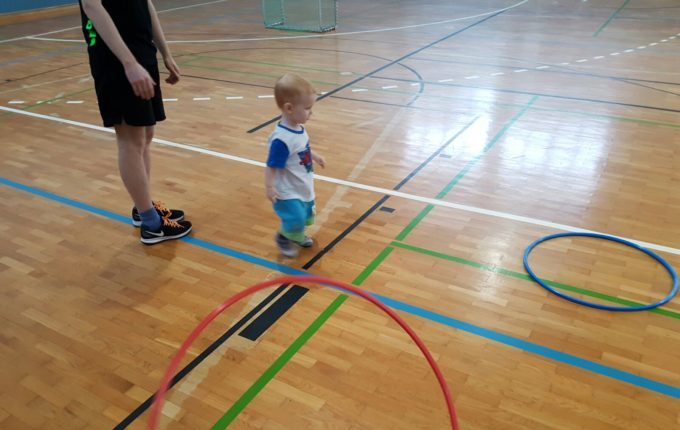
159,398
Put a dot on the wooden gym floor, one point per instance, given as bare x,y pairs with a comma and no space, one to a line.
499,121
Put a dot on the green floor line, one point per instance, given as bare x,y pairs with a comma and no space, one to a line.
276,367
486,149
614,117
280,362
470,164
525,277
372,266
414,222
606,23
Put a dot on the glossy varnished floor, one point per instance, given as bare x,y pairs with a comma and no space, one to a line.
562,112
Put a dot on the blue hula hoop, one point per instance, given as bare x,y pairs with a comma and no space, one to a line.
652,254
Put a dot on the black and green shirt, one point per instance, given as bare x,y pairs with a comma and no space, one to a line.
133,21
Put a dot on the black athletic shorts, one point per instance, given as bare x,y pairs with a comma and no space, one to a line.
118,103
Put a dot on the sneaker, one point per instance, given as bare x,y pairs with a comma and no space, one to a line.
163,211
286,246
306,242
169,230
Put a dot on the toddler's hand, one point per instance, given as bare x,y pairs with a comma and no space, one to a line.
320,160
272,195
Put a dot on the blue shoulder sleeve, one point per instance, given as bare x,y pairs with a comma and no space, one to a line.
278,154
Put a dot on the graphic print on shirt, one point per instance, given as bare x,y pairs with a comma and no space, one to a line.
306,158
91,32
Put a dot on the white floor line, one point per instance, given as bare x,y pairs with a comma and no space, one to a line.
370,188
309,36
336,199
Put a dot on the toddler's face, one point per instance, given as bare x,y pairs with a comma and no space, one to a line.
301,110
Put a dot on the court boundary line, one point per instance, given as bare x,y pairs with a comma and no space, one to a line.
356,185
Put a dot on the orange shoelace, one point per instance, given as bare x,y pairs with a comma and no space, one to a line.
160,207
169,223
